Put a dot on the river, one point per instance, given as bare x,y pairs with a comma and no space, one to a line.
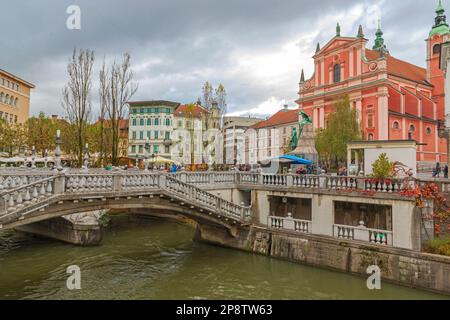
156,259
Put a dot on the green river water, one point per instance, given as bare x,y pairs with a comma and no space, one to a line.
157,259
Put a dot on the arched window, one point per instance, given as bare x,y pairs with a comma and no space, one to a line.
141,122
395,125
156,122
1,97
337,73
370,137
16,101
149,121
167,122
412,128
428,131
437,49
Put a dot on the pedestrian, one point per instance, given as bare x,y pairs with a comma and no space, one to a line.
437,170
446,172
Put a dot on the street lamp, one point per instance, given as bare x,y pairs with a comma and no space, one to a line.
45,158
58,165
147,149
86,158
33,157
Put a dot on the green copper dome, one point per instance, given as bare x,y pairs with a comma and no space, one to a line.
440,26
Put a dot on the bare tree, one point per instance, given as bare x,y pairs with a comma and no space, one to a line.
207,92
76,98
122,88
221,99
105,99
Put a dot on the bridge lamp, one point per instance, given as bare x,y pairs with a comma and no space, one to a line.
86,157
33,157
58,165
147,149
45,158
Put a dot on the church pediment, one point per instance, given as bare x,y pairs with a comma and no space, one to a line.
336,43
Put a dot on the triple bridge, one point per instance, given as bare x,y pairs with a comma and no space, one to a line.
34,196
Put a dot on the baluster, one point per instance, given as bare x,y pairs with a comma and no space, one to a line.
35,194
49,188
42,191
27,196
11,202
19,200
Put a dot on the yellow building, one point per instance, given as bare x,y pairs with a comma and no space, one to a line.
14,98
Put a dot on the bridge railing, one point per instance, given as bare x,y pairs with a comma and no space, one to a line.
27,195
205,199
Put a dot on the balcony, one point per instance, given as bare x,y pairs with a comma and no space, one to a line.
361,233
297,225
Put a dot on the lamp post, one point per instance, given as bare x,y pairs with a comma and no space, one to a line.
86,158
58,165
147,149
45,158
33,157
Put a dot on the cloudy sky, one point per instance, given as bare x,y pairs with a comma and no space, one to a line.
256,48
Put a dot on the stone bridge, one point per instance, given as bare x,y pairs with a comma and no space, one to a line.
28,198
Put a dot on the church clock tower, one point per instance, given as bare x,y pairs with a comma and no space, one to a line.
439,34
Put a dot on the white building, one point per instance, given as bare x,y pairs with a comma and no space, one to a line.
151,123
233,131
270,138
166,128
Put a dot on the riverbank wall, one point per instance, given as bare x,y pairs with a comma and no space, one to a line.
399,266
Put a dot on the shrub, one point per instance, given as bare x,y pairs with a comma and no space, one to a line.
382,167
439,246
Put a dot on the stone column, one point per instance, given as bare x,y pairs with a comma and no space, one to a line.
383,115
359,110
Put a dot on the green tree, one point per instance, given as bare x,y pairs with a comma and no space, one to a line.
342,127
382,168
41,132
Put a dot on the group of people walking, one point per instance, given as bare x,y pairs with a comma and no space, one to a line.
438,170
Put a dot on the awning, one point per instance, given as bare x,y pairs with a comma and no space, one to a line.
295,160
160,159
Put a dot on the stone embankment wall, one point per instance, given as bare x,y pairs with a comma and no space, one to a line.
404,267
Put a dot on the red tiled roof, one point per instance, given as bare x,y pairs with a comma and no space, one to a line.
183,110
401,68
278,119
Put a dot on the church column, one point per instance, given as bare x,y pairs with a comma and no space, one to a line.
322,116
351,63
358,61
383,115
322,72
315,118
316,75
359,110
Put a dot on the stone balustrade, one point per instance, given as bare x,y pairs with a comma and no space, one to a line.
381,237
26,195
138,179
206,199
288,223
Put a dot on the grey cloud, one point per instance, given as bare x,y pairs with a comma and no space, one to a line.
177,45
